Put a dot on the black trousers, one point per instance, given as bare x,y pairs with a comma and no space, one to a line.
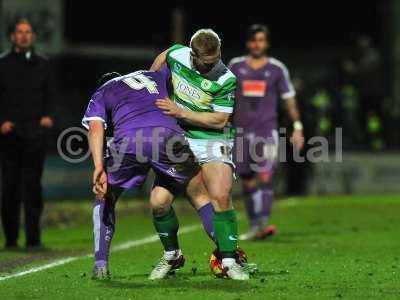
22,167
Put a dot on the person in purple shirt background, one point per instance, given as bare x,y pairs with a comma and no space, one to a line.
143,138
262,80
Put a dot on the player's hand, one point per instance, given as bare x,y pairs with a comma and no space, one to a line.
99,182
297,139
46,122
169,108
7,127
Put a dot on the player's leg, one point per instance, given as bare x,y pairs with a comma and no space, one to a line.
175,166
177,155
217,177
200,199
103,230
123,172
166,224
266,171
267,194
251,191
253,204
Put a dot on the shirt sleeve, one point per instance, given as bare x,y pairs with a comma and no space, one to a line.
165,72
285,86
96,110
224,100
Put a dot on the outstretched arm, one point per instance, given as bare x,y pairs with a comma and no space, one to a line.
214,120
159,61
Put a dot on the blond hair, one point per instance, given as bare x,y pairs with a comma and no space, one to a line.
206,41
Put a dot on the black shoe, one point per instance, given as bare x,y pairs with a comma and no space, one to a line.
37,247
11,246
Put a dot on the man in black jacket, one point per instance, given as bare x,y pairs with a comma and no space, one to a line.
26,90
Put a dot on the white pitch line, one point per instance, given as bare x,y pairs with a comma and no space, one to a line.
121,247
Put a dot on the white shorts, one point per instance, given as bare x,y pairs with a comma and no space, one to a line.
212,150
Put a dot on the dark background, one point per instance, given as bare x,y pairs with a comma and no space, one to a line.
303,24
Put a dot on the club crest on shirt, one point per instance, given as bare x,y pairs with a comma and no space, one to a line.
206,84
177,67
267,73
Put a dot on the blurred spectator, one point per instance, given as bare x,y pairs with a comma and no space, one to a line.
363,90
26,89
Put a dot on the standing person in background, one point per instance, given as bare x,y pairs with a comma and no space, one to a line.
261,80
26,90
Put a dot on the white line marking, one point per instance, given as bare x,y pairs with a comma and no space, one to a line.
121,247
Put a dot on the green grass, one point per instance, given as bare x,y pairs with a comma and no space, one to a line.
331,247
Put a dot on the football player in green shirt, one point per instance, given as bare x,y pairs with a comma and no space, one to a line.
202,101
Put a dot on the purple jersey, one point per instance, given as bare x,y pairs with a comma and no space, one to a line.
258,91
127,103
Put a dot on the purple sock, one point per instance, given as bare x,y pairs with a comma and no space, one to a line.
253,204
206,214
267,198
103,229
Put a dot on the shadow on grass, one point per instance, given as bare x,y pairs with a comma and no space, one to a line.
181,283
186,280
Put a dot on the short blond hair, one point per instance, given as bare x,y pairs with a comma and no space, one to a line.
206,41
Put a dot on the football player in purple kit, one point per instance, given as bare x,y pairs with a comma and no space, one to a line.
262,80
143,138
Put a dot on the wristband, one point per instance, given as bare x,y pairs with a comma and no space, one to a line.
297,125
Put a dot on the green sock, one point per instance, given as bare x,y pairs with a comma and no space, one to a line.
167,227
226,232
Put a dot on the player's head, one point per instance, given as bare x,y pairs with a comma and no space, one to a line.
107,77
257,40
206,50
22,34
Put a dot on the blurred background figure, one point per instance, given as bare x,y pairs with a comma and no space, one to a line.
262,80
26,91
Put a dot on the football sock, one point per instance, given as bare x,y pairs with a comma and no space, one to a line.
225,224
253,205
103,229
206,214
267,198
167,226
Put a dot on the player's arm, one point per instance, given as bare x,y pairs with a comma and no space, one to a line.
294,115
285,87
214,120
159,61
95,120
292,109
96,142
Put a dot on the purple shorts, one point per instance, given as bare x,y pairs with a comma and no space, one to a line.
169,156
256,152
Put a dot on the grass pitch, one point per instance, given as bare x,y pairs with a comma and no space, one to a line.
330,247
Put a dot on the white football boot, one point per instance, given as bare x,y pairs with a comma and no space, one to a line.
171,261
234,270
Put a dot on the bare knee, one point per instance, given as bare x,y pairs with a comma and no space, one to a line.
218,181
160,200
